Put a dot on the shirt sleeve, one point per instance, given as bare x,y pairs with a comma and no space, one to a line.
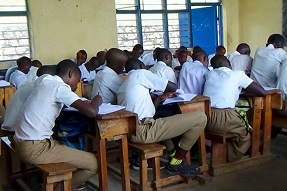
65,95
245,81
153,81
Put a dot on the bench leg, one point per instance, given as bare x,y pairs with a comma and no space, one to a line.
218,153
143,175
156,172
67,185
49,187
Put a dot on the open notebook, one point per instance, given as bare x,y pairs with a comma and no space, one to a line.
180,97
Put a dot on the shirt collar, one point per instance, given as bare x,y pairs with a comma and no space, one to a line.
270,46
161,62
225,69
109,70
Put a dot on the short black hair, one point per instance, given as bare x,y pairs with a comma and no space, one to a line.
46,70
198,55
220,47
182,47
160,54
23,61
219,61
83,52
133,63
65,66
276,39
94,61
196,48
137,47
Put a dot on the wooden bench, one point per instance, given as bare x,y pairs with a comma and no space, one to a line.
52,173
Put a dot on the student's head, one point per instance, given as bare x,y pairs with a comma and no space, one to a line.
36,63
220,61
134,64
155,52
277,40
201,56
92,64
69,72
24,64
101,55
220,50
46,70
243,48
182,56
81,57
116,60
195,49
182,48
138,50
165,56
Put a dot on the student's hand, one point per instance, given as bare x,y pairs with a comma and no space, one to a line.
97,100
166,95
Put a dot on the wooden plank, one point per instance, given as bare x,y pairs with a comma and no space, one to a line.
257,103
267,124
8,91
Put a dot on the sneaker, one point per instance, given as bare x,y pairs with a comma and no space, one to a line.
183,169
80,187
136,165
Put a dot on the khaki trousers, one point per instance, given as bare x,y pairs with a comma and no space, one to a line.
51,151
227,120
188,125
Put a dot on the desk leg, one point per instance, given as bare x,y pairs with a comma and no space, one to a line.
256,124
267,116
202,153
125,169
102,164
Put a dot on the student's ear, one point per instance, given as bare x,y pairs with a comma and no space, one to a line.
166,56
70,73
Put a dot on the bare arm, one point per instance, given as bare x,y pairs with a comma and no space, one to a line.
158,99
256,89
88,108
170,87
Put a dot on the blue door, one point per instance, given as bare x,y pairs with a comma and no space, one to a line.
204,28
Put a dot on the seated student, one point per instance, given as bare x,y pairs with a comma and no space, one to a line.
220,50
32,74
19,77
33,133
101,55
138,51
189,125
107,81
88,72
81,57
223,86
149,59
267,61
163,66
18,99
176,63
241,59
192,75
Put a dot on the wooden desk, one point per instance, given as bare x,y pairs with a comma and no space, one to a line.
6,94
112,127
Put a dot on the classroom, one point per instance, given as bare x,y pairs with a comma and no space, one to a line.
143,95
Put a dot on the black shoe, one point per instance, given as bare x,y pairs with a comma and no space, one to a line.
136,165
183,169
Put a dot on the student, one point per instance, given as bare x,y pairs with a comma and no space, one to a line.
223,86
189,125
138,51
88,72
81,57
150,58
241,59
220,50
107,81
192,75
33,134
163,66
180,60
19,77
18,99
32,74
101,55
267,61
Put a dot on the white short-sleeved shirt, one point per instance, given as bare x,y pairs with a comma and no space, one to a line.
42,107
162,70
192,77
13,110
148,59
85,74
32,74
282,80
266,65
106,84
134,92
224,85
240,62
18,78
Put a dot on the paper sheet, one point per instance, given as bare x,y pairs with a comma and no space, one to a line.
182,98
4,83
105,108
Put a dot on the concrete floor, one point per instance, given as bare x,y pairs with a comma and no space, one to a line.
271,176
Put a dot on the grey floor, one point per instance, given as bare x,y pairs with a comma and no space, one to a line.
271,176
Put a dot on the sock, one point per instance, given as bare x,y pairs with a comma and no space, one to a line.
175,161
171,153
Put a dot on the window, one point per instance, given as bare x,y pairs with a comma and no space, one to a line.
158,23
14,37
